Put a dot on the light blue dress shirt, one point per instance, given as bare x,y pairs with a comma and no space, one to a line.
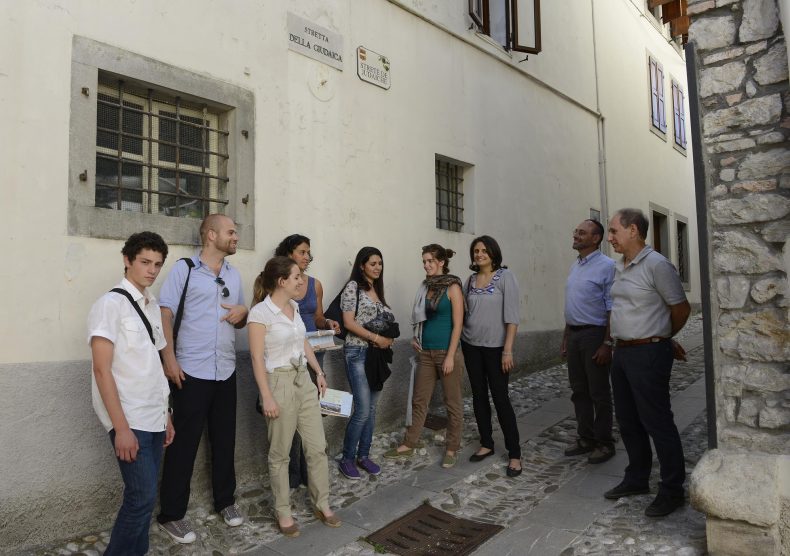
206,346
588,289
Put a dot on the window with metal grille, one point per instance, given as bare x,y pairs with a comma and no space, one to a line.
157,153
449,195
682,238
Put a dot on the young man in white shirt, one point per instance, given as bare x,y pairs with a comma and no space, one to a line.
129,388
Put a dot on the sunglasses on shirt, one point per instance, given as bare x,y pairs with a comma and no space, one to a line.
221,282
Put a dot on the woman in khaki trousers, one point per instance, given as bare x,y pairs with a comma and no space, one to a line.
280,354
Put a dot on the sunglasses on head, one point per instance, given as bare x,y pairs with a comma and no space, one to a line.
221,282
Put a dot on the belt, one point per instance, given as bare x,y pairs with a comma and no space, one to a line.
639,342
577,327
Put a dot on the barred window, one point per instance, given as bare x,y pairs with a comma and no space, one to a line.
683,250
449,195
157,153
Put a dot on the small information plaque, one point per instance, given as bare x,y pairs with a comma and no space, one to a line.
373,67
314,41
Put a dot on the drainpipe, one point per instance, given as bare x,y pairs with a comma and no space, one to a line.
606,248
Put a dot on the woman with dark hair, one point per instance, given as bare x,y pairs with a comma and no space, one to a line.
280,354
362,302
311,309
437,316
492,318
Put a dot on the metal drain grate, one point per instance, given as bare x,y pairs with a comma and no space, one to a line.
427,531
435,422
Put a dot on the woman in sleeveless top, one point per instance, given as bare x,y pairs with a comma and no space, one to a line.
280,353
297,248
437,317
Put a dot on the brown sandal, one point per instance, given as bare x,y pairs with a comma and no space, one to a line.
290,530
328,520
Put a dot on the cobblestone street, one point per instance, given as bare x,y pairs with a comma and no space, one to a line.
481,492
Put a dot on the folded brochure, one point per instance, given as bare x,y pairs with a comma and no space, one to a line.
336,402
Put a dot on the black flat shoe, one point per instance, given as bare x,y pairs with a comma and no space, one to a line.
480,457
513,472
664,504
624,489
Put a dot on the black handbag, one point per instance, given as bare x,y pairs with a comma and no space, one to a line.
334,313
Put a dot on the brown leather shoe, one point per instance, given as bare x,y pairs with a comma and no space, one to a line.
328,520
290,530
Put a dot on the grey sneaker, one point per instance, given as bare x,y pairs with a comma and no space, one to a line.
179,530
232,516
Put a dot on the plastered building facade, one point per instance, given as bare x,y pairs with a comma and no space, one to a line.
305,146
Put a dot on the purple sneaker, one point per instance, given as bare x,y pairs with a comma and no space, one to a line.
349,470
367,464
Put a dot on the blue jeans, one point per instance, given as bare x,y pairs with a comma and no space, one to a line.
130,532
359,431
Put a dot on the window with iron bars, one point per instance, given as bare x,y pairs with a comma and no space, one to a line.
158,154
681,229
449,195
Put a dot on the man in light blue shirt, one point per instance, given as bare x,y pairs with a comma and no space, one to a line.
587,345
201,370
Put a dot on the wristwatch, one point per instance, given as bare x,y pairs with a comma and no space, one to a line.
609,343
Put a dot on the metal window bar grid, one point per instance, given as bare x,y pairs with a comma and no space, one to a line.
151,195
682,247
449,196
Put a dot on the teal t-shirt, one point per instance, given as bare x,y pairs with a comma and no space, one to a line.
437,329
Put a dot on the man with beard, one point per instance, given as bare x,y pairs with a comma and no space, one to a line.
587,345
200,362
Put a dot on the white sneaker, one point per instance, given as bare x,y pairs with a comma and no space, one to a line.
232,516
179,530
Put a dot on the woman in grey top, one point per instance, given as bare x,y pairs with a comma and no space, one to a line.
492,318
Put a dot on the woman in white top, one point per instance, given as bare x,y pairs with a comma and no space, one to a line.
280,354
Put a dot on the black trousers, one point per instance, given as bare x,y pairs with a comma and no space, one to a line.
640,382
592,395
197,403
484,367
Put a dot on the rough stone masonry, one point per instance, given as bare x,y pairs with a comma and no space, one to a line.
744,106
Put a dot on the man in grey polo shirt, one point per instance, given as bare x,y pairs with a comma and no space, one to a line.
587,345
649,306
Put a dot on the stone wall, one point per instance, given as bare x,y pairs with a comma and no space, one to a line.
744,112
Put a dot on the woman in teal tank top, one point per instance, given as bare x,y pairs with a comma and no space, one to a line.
437,317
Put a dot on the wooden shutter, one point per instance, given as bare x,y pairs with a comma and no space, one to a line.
525,25
682,116
476,12
662,113
654,93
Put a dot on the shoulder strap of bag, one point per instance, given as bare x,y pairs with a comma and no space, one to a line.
180,311
147,324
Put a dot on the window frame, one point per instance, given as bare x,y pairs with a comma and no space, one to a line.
683,260
236,114
479,12
458,208
679,116
656,98
664,243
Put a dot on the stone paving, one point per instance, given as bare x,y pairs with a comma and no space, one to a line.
487,494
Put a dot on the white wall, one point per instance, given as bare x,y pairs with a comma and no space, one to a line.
643,168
